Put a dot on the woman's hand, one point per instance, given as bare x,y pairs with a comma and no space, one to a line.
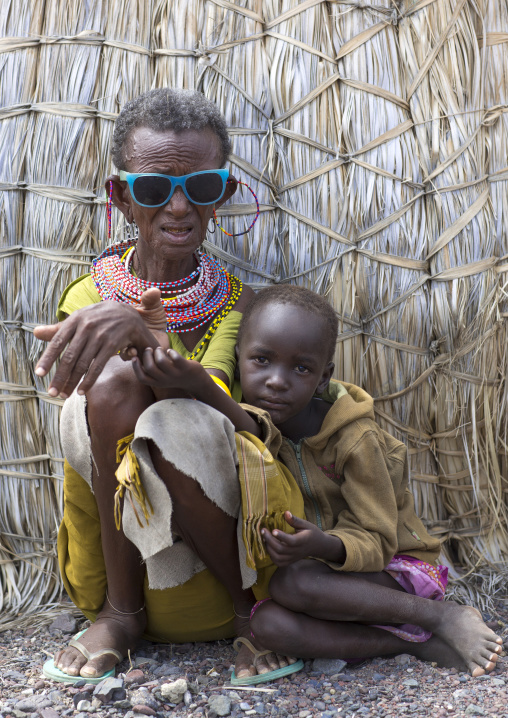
308,540
153,314
169,370
86,340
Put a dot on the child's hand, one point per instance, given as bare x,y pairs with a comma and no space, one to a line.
170,375
308,540
167,370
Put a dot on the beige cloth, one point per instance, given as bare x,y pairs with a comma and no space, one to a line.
200,442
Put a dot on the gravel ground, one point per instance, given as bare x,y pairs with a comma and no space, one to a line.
193,679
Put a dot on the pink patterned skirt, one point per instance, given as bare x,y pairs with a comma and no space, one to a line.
419,579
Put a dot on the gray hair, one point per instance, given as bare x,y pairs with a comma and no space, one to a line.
167,109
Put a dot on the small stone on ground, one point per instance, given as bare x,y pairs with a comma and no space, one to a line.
65,623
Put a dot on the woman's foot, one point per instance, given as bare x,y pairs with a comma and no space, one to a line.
111,630
245,664
463,629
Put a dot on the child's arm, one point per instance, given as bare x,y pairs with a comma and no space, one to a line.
308,540
169,370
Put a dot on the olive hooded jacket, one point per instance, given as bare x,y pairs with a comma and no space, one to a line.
354,478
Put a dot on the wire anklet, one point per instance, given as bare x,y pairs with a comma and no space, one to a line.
124,613
238,615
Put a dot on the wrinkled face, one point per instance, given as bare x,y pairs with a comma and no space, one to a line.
282,359
179,227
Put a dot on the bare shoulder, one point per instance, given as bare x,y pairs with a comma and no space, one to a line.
245,298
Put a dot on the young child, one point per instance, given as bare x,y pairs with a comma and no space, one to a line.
359,578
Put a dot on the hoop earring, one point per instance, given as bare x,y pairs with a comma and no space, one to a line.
109,202
213,221
237,234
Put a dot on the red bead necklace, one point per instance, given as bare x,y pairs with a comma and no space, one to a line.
188,308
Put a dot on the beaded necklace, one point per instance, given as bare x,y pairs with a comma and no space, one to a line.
173,287
214,293
236,290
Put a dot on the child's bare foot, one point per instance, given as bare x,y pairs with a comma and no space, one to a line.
110,631
245,664
463,629
435,650
154,316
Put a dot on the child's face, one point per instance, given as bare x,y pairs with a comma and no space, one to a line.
283,360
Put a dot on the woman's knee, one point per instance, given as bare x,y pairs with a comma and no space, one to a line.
116,401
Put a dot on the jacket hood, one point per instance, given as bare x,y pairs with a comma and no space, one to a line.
350,403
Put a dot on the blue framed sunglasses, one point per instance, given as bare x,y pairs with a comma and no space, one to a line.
155,190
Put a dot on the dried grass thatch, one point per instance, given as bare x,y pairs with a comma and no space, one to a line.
375,136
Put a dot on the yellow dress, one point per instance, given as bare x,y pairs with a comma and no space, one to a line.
198,610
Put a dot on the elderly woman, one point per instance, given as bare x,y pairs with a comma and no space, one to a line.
175,570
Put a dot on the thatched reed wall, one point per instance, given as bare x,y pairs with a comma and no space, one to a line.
376,136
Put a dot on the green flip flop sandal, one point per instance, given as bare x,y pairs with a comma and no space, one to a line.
262,677
55,674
